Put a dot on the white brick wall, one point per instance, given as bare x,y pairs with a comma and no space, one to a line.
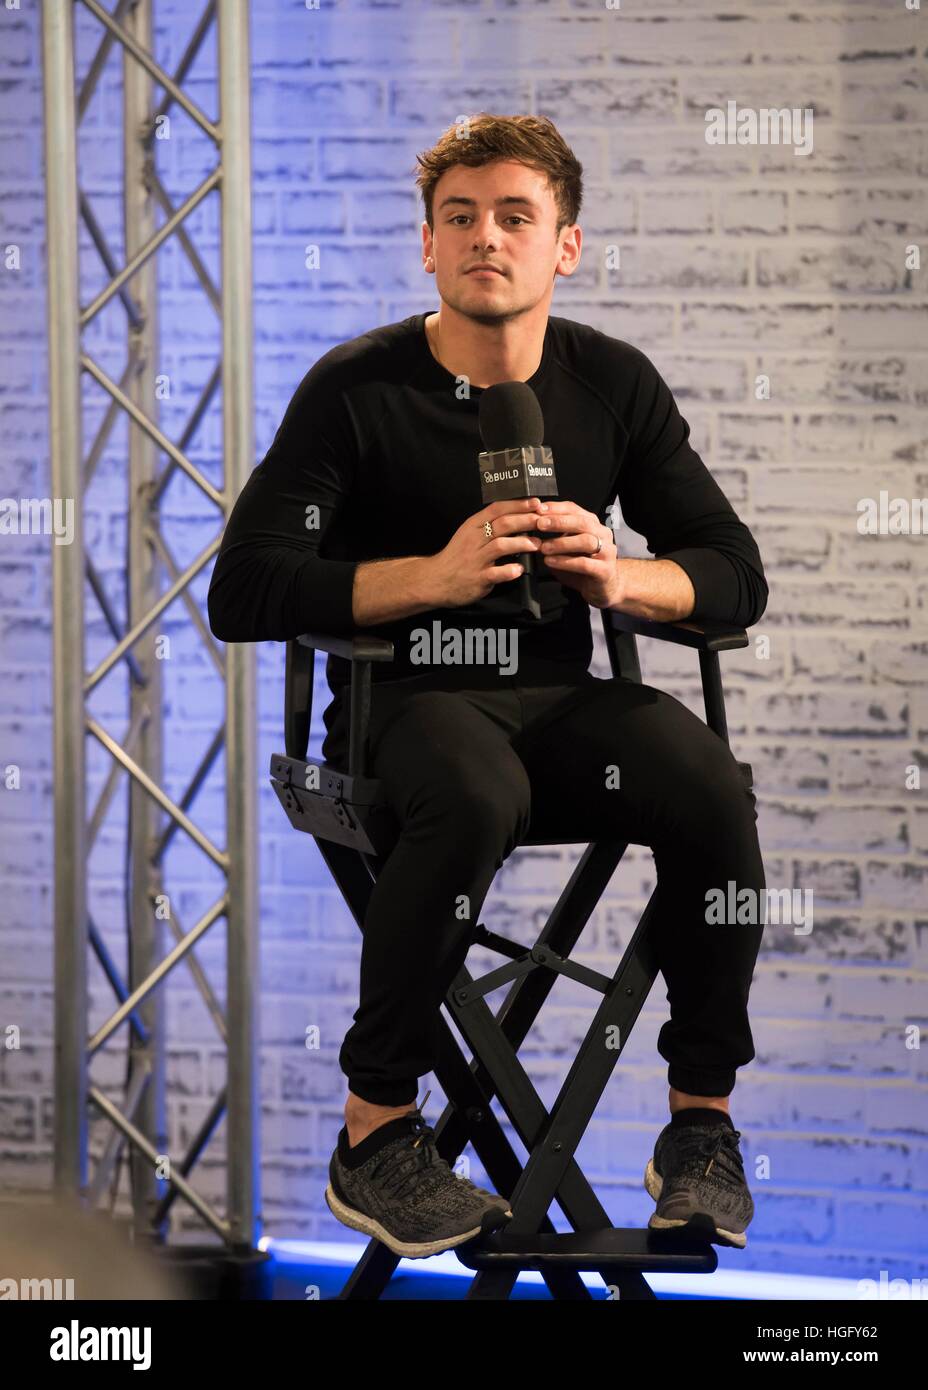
736,260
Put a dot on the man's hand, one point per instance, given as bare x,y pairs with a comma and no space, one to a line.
467,568
569,554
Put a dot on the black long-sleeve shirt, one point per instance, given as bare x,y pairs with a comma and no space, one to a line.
376,458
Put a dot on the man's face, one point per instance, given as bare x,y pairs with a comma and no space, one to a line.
503,214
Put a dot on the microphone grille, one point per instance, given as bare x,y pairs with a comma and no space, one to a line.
510,417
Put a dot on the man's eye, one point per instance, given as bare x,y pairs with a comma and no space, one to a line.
518,217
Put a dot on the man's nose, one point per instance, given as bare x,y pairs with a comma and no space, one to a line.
486,231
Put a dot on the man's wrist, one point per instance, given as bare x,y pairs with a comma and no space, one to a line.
659,590
617,591
426,582
390,589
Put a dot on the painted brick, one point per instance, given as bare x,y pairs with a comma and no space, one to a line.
736,262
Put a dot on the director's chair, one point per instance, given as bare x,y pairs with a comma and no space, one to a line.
355,830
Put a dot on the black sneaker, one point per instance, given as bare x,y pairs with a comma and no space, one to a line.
697,1179
403,1193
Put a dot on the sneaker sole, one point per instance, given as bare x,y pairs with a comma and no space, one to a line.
696,1225
410,1250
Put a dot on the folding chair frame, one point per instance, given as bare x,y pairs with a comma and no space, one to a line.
354,829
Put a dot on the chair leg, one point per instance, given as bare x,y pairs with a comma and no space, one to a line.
551,1172
371,1274
469,1117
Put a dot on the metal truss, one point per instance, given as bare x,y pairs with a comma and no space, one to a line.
155,583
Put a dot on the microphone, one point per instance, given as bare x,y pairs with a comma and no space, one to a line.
515,463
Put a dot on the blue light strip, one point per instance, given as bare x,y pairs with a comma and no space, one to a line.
723,1283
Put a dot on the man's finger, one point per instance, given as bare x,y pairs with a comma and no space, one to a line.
564,521
508,505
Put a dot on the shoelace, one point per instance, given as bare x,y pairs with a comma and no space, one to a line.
719,1146
402,1167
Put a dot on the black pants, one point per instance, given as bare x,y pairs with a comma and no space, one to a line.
467,772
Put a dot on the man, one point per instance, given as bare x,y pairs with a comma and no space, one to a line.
366,513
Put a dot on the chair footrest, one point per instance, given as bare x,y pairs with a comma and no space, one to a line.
629,1248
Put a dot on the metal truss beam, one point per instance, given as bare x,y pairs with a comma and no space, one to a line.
155,582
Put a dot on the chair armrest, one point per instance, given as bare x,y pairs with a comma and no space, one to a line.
358,648
706,636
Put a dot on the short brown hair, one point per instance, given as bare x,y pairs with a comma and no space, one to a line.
532,140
